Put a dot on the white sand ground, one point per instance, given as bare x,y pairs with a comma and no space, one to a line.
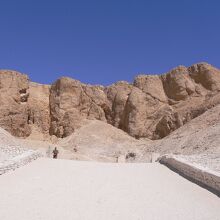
49,189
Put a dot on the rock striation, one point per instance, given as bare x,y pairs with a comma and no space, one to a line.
151,107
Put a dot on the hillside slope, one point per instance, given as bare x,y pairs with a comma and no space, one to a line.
99,141
201,135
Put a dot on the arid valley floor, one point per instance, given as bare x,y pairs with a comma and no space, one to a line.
64,189
143,150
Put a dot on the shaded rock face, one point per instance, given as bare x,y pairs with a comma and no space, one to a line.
153,106
39,109
117,96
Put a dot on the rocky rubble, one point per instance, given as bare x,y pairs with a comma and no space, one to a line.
12,154
15,157
153,106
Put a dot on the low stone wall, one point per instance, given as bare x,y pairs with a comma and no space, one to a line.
206,178
20,160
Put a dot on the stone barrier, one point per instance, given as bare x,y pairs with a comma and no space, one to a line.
17,161
206,178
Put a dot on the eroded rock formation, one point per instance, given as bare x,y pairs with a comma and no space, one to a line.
14,109
152,106
71,102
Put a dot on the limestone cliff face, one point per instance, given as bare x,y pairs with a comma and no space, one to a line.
13,103
71,102
39,108
152,106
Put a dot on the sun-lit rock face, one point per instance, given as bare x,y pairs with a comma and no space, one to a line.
13,102
152,106
71,102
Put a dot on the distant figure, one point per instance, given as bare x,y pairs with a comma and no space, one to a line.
55,153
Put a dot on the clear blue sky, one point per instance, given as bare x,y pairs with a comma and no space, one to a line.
100,42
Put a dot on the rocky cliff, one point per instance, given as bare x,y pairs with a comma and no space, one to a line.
152,106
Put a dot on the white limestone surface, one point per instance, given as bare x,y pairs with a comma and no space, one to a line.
50,189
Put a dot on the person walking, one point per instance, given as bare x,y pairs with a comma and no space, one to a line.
55,153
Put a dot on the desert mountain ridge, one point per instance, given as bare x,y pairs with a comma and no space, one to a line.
152,107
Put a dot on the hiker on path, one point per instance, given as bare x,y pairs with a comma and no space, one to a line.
55,153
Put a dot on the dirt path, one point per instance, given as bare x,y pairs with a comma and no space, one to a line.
62,189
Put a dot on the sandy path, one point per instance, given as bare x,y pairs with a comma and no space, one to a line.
50,189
